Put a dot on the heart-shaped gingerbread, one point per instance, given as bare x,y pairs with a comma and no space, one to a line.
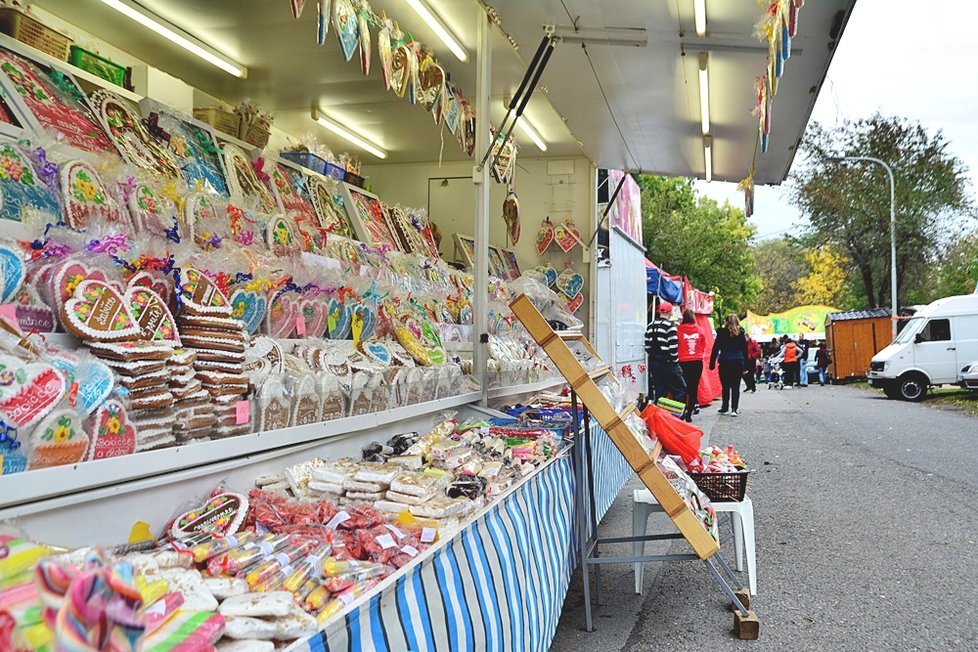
154,318
95,382
58,440
12,272
545,237
432,84
280,316
377,350
200,296
567,236
98,312
111,432
28,390
32,313
67,276
347,27
549,273
570,283
281,236
159,285
384,52
401,69
221,515
85,197
338,319
249,307
574,304
313,314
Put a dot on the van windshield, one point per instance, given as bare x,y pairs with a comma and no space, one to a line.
912,328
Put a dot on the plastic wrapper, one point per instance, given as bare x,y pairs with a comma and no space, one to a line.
238,559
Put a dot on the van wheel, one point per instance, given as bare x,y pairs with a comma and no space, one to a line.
912,387
891,391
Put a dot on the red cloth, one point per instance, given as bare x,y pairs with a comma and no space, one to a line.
677,436
710,388
692,342
753,349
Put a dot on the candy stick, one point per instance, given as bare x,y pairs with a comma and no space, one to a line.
310,567
342,600
279,562
237,560
186,631
316,599
216,546
18,556
156,614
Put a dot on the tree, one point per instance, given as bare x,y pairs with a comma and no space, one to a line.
957,269
693,236
780,263
824,284
848,204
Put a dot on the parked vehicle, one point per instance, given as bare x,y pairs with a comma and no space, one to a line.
930,350
968,377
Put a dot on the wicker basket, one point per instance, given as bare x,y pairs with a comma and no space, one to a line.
253,134
224,121
722,487
28,30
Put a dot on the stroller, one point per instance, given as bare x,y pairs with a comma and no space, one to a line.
777,376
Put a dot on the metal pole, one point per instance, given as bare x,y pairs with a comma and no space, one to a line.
893,265
480,177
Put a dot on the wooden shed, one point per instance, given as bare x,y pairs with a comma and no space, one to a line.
853,338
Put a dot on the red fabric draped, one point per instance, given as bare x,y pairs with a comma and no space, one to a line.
710,381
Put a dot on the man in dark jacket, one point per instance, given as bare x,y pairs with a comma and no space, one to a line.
662,345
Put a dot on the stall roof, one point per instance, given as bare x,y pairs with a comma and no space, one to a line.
651,90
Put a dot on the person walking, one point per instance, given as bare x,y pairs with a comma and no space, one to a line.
662,345
750,367
802,361
788,357
692,350
730,349
822,361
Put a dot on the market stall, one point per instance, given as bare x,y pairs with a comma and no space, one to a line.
219,326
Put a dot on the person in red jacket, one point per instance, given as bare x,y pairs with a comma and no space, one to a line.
750,368
692,350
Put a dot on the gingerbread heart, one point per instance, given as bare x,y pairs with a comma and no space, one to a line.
32,313
281,236
570,283
574,304
347,26
28,390
432,85
548,272
545,237
401,69
280,316
221,515
150,212
85,196
567,236
12,272
313,314
58,440
249,307
66,277
377,350
200,296
384,53
154,318
157,284
97,311
364,30
111,432
338,319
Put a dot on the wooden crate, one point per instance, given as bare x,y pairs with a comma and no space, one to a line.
224,121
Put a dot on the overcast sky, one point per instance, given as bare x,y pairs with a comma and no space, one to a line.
899,57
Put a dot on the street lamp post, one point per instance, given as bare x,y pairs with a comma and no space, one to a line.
893,274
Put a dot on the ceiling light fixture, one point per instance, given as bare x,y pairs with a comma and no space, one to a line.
528,129
176,35
348,135
699,17
704,93
434,22
708,157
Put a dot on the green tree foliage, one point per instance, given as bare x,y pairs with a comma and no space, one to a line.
957,269
848,204
693,236
780,262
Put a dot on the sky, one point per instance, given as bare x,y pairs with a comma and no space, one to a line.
900,57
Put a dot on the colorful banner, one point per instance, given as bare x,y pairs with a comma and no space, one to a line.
803,320
627,214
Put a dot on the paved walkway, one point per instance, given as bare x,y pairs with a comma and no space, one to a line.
865,535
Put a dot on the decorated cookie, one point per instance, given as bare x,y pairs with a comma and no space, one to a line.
567,236
59,439
20,186
150,211
306,402
111,432
273,405
248,306
200,296
85,197
98,312
130,136
570,283
12,272
312,312
32,313
28,390
67,276
95,382
338,319
243,182
281,315
154,318
221,515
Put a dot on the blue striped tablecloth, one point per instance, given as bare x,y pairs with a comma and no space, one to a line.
498,584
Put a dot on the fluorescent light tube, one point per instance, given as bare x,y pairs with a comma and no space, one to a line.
178,36
434,22
699,16
531,132
708,157
349,136
704,93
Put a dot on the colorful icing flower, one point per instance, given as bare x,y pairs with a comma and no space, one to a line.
281,234
7,378
62,431
114,426
238,311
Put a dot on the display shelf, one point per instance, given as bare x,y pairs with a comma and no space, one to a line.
20,492
526,388
46,59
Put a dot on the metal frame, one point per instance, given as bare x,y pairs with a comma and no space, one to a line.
588,540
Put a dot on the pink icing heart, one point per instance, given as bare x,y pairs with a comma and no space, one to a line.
112,435
280,316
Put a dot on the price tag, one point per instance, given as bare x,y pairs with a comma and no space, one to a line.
410,551
300,326
397,533
241,414
336,520
428,534
386,541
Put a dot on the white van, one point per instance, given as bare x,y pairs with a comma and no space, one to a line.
930,350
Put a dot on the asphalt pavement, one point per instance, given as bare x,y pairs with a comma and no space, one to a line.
865,538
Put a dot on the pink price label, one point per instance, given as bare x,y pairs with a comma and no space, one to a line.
241,414
300,326
9,310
